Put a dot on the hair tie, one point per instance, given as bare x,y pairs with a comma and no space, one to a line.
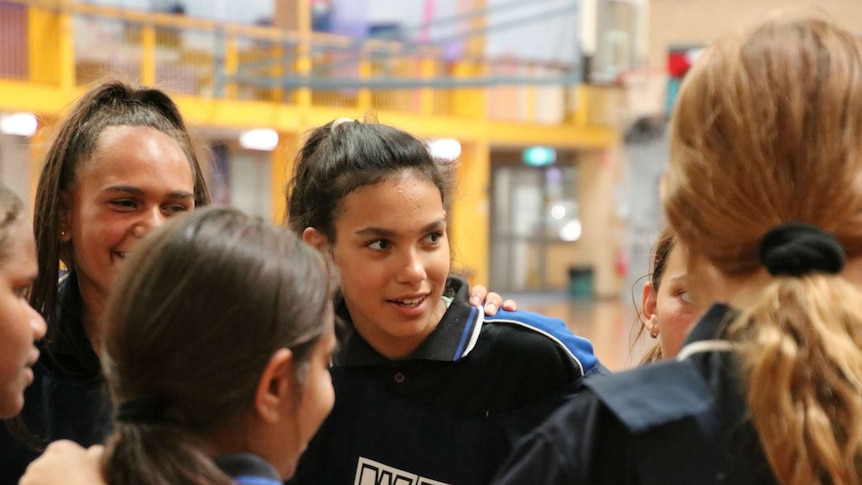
146,409
340,121
797,248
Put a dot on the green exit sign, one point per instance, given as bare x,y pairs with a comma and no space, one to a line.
539,156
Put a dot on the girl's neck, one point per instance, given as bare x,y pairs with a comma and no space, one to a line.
92,309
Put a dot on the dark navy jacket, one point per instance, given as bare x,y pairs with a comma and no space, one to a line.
673,422
68,398
450,412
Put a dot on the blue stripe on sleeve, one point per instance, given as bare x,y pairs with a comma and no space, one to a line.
250,480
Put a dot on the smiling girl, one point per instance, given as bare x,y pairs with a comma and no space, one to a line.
214,384
121,163
425,385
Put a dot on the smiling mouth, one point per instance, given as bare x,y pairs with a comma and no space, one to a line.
411,303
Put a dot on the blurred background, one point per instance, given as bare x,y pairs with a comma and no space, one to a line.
553,111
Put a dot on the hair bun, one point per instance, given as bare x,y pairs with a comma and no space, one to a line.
797,248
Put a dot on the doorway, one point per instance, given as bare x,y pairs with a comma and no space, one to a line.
535,224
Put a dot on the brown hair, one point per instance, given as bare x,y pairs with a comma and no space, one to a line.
206,301
768,130
111,103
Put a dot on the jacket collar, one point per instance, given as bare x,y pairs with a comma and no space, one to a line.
709,335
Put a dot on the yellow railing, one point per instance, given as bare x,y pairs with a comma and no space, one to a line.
68,45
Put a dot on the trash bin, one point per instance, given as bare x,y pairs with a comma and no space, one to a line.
581,282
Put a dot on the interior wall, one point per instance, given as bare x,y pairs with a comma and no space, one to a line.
15,164
600,198
701,21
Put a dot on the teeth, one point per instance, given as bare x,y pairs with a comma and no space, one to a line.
413,302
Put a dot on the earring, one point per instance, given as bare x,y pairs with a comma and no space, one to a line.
652,326
63,233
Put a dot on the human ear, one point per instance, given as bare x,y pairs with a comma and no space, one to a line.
275,386
649,302
315,238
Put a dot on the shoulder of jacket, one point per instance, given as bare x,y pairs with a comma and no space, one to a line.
552,329
654,394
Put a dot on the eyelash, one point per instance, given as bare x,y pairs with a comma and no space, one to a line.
129,204
178,208
384,241
124,203
436,235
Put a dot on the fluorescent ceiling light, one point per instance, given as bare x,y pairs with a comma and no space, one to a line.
558,211
23,124
445,149
263,139
571,231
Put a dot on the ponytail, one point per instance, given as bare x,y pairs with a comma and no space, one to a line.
766,130
801,341
159,454
186,342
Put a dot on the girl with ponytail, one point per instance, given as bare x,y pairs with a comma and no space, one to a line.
216,353
764,191
121,163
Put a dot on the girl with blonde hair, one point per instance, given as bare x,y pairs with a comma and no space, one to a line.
764,191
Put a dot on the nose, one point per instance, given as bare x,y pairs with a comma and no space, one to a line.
412,270
149,220
37,324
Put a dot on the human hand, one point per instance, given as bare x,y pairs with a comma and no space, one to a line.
67,463
493,301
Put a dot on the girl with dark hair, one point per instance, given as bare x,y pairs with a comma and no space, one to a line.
121,164
425,386
217,346
20,325
764,192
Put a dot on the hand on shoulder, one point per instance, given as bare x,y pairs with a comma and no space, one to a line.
67,463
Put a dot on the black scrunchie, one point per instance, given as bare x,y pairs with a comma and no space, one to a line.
146,409
796,249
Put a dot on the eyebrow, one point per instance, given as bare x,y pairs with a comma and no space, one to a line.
381,232
128,189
